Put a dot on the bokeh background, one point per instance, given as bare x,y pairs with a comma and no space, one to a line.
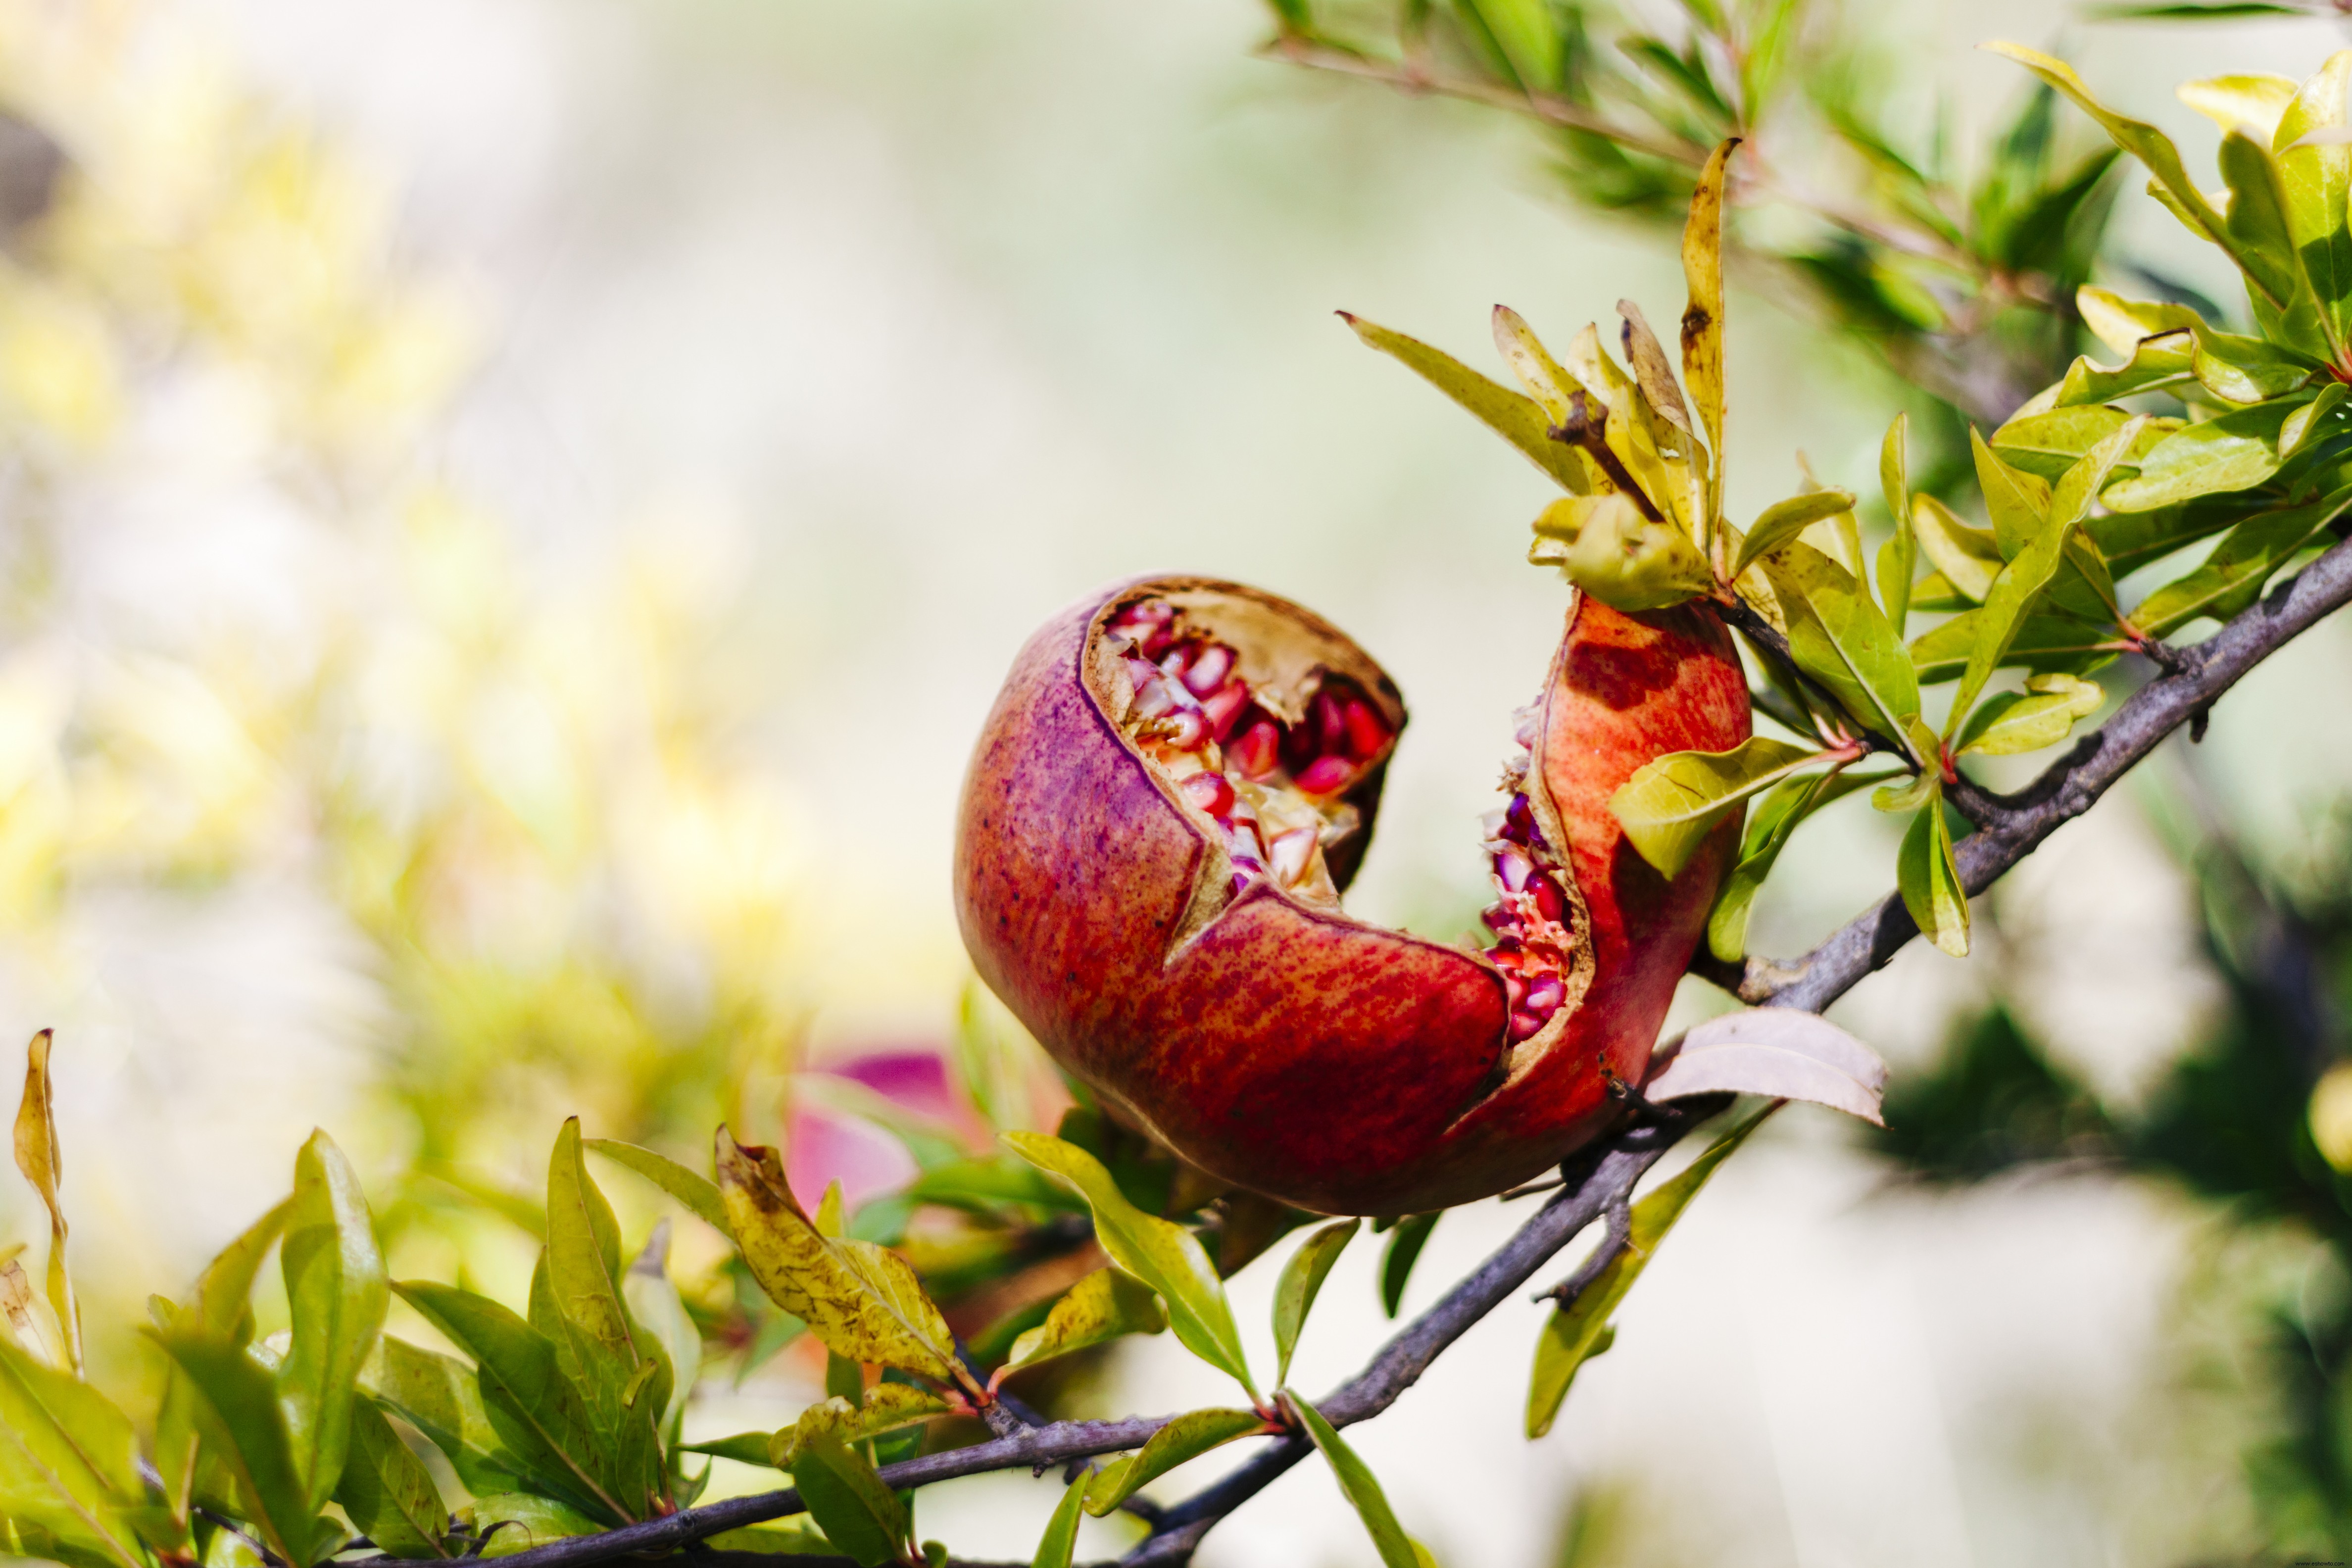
511,515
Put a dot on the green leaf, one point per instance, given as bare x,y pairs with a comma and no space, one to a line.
1769,830
1188,1436
1670,805
1579,1330
1930,881
1060,1541
2317,176
2257,219
223,1303
2246,370
1839,637
1898,557
860,1515
1361,1489
624,1384
41,1160
697,1193
2018,502
387,1491
517,1523
1516,419
69,1459
1102,1306
2124,325
2166,360
2042,715
2255,100
441,1397
1405,1242
1164,1255
245,1429
1527,35
1783,520
2150,146
984,1183
2233,576
2233,451
2042,643
540,1416
1302,1277
861,1300
335,1289
2035,565
2131,539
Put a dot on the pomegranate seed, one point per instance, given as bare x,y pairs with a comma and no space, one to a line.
1330,722
1515,990
1290,853
1212,792
1225,706
1177,660
1544,996
1524,1026
1209,670
1551,902
1325,776
1507,955
1513,869
1188,730
1501,919
1152,695
1367,731
1519,819
1255,754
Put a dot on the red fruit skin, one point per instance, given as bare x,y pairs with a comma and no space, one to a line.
1285,1046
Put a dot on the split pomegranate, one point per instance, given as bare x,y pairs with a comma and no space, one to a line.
1178,780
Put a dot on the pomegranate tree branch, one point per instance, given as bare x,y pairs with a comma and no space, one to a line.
1598,1179
2011,827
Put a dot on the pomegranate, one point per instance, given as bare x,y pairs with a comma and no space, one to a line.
1177,783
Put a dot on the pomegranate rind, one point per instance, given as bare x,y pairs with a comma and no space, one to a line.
1282,1045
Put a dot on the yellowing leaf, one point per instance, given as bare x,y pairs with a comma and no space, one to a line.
1102,1306
1702,331
43,1163
1783,520
1968,557
861,1300
1514,419
886,1408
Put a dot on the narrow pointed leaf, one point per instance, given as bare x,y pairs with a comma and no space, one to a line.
1669,806
1163,1255
861,1300
1775,820
624,1385
1405,1242
1575,1332
2042,715
1702,326
1188,1436
517,1523
655,1307
1516,418
2233,575
700,1194
884,1408
1102,1306
1060,1541
1651,372
1302,1277
2233,451
1898,557
336,1290
1968,558
1361,1489
43,1163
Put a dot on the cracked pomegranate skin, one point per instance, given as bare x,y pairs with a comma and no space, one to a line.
1264,1034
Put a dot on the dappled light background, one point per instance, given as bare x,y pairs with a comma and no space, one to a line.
514,512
